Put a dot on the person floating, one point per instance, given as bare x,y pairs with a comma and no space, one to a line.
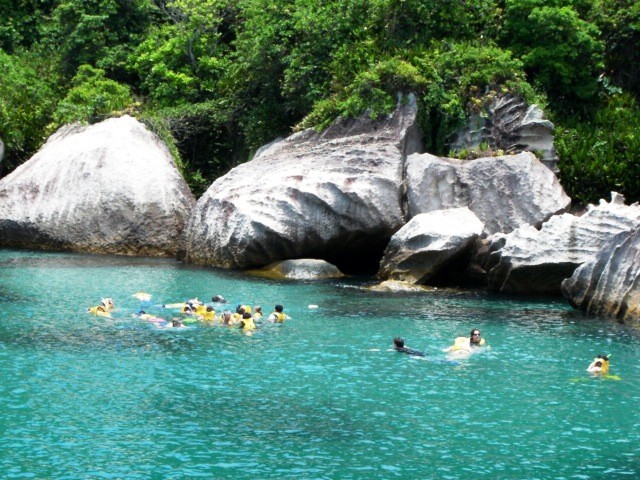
218,299
278,316
257,313
247,324
103,310
398,346
600,365
467,345
208,315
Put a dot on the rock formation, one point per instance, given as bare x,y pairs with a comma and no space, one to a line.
335,195
427,243
112,187
504,192
536,261
609,285
511,125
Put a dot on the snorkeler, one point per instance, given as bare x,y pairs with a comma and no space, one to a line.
398,346
466,345
278,316
600,365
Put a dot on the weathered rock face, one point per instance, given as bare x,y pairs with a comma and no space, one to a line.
536,261
609,285
300,269
504,192
511,125
335,195
427,243
107,188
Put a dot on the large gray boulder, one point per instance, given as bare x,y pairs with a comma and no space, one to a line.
505,192
427,243
511,125
335,195
112,187
537,261
609,285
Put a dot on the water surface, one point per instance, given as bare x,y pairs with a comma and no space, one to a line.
319,397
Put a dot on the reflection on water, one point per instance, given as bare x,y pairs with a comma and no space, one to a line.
321,396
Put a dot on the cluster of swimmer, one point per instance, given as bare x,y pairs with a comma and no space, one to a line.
463,346
194,310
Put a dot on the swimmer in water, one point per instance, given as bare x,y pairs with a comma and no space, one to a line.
600,365
398,346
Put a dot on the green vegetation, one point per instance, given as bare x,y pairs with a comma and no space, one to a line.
216,79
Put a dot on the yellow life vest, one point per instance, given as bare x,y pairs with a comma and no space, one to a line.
201,310
248,325
246,308
280,317
209,316
100,311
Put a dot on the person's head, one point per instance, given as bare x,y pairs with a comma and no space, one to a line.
474,336
257,309
398,342
209,308
176,322
246,315
218,299
239,309
279,308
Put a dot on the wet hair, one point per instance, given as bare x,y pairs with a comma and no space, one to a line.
257,308
218,299
279,308
474,330
246,315
209,308
398,342
603,357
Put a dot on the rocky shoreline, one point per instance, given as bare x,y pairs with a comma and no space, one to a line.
360,193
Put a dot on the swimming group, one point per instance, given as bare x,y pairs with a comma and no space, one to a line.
465,346
245,317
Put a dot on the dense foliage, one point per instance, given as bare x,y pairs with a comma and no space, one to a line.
216,79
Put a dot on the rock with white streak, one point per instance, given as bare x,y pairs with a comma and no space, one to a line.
428,243
609,285
537,261
505,192
112,187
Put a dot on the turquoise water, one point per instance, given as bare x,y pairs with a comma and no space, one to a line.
319,397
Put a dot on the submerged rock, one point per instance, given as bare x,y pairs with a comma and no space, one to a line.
335,195
427,243
537,261
300,269
112,187
398,286
609,285
504,192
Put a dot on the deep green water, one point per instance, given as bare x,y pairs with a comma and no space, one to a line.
319,397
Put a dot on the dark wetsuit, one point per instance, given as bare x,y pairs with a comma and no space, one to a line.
409,351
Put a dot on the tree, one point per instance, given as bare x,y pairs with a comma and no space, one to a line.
561,52
28,95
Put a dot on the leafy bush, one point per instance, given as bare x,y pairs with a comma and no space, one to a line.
602,155
92,97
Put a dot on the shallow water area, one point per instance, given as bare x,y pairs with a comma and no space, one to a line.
318,397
